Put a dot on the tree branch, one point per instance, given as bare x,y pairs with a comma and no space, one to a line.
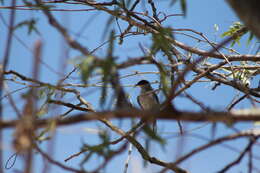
225,117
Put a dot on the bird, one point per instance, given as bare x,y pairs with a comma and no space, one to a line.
147,99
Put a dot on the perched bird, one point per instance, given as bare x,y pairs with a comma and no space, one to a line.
147,98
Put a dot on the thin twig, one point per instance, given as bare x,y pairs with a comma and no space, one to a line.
128,158
46,156
237,101
141,150
248,133
239,158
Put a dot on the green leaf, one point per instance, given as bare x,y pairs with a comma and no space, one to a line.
153,135
103,148
26,2
42,111
165,82
111,44
30,24
250,38
216,27
244,76
257,123
107,67
184,7
123,4
43,133
233,29
109,23
165,78
44,6
105,137
87,66
160,41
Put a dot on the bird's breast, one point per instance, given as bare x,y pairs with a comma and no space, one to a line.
148,101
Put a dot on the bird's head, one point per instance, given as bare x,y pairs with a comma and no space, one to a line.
142,83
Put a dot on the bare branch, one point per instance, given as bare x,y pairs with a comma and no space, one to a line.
239,158
225,117
249,133
3,68
46,156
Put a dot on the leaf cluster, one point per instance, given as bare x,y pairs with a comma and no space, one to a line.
233,30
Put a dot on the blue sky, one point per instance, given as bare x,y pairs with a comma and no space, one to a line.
201,16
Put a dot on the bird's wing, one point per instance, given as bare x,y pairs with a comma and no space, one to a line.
156,98
138,100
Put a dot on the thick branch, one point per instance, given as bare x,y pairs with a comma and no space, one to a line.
225,117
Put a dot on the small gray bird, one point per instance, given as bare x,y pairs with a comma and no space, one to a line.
147,99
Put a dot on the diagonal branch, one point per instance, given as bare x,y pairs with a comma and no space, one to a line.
239,158
141,150
73,43
249,133
46,156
